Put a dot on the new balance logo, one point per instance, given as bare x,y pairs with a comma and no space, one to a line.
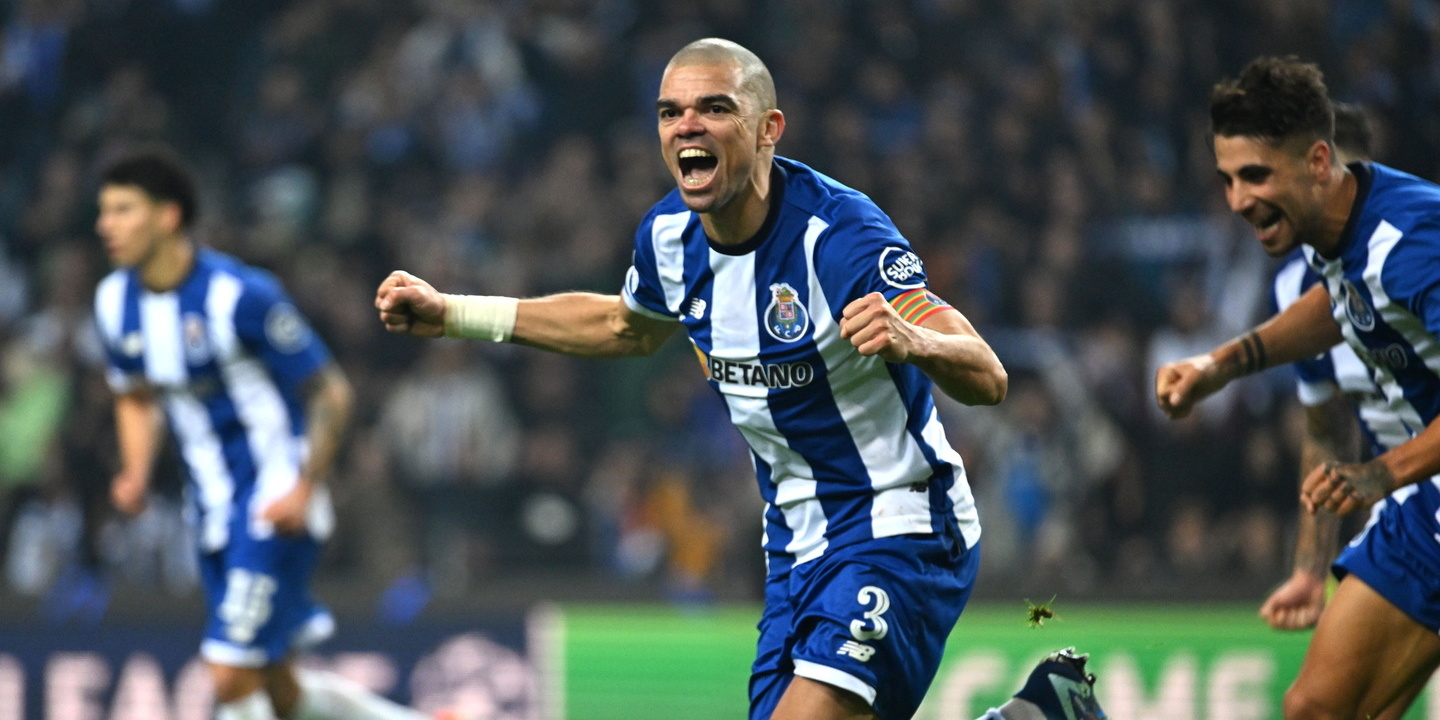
697,308
1077,699
856,650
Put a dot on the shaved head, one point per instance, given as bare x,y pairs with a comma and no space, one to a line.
755,77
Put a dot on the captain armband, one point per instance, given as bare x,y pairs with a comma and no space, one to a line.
917,305
481,317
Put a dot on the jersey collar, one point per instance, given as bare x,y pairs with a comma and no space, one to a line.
1364,178
777,197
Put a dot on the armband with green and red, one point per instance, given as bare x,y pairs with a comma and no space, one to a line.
917,305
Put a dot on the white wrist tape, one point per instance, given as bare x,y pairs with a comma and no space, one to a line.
483,317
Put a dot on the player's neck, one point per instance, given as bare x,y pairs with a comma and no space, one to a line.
1338,204
169,265
740,220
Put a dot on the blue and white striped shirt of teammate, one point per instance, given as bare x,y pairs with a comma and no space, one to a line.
227,355
1384,287
1340,370
824,423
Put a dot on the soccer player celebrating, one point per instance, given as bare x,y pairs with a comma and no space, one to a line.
811,318
1371,233
258,409
1336,390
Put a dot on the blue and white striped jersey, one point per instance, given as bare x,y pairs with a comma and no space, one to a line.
846,448
1384,290
1318,378
226,354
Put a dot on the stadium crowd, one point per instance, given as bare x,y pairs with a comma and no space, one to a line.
1048,160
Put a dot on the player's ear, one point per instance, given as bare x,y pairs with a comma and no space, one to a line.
772,126
171,218
1318,158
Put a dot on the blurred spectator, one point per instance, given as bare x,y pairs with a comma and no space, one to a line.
34,46
1191,331
455,444
41,522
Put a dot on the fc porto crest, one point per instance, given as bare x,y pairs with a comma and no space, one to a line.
197,342
1359,312
786,319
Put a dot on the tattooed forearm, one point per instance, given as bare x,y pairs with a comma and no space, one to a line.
1252,353
1315,542
1331,436
330,399
1370,481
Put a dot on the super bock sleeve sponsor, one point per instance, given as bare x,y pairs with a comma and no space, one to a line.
864,253
901,268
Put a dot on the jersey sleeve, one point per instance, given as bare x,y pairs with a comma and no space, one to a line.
1314,377
117,376
1315,380
863,252
124,372
1412,274
1426,303
644,293
269,325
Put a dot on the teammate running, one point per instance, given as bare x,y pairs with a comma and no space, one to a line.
258,409
1373,234
1335,390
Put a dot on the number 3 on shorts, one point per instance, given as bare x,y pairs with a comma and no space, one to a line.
878,625
246,606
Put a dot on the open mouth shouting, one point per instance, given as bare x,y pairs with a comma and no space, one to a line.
1267,222
697,168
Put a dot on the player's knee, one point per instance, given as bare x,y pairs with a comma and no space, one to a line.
1304,703
233,683
283,687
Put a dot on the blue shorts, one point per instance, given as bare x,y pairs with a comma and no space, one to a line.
1398,553
871,618
257,595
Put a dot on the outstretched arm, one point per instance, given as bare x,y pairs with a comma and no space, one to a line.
1303,330
575,323
138,427
1330,435
328,404
945,346
589,325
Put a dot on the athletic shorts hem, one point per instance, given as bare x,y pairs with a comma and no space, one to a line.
838,678
222,653
1395,556
1377,586
319,628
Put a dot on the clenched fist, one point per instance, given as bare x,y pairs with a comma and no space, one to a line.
410,305
1296,605
874,328
128,490
1343,488
1181,384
